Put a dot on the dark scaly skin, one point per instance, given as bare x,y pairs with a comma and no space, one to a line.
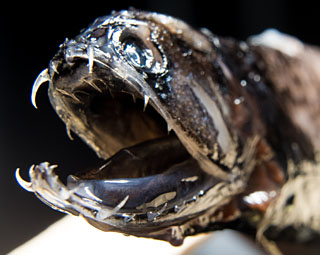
233,105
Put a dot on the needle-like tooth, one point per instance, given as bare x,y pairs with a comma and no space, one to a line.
90,53
121,204
73,178
24,184
68,129
69,95
169,128
54,65
93,85
134,98
52,167
104,214
42,78
146,101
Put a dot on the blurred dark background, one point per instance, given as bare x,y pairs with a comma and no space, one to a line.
30,35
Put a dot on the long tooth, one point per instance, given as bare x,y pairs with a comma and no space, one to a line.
54,65
51,168
24,184
90,53
134,98
73,178
93,85
169,128
68,94
146,101
68,129
121,204
104,214
42,78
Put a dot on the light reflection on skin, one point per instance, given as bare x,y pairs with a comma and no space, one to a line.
259,197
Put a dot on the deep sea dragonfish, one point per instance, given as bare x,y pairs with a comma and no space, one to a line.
195,132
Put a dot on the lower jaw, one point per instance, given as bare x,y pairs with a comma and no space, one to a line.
152,174
171,191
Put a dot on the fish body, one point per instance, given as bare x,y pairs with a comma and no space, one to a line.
196,132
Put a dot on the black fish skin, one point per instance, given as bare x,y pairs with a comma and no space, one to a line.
233,105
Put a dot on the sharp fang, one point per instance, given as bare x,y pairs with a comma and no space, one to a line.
146,101
68,94
134,98
90,53
54,65
104,214
51,168
169,128
93,85
42,78
68,129
121,204
24,184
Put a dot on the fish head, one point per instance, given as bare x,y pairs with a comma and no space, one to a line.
142,90
148,56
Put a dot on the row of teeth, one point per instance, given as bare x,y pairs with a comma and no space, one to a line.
44,77
46,184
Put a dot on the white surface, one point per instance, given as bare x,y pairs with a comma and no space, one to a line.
272,38
72,235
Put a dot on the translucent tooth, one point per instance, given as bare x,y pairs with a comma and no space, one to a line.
42,78
68,129
134,98
169,128
73,178
93,85
90,53
153,215
68,94
146,101
54,65
104,214
51,168
121,204
24,184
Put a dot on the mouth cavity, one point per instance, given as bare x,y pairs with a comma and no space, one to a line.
143,163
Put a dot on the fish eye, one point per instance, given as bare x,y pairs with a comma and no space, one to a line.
139,50
140,56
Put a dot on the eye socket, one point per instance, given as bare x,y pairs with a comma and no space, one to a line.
139,56
137,46
141,51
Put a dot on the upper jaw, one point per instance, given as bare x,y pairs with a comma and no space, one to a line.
74,83
100,58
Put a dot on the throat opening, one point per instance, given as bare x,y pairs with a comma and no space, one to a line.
119,120
132,137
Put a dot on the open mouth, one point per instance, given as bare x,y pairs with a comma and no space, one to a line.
143,160
116,88
146,174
